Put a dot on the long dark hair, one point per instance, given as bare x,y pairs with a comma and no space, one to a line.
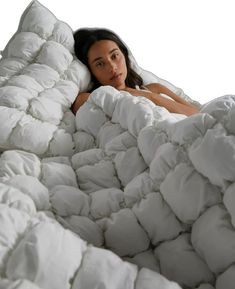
86,37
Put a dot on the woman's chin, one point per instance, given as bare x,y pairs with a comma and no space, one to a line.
119,86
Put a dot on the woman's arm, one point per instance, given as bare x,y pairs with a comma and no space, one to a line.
159,88
174,104
80,99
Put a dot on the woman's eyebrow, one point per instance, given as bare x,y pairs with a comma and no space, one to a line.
98,58
111,51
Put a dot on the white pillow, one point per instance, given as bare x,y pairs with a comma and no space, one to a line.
39,80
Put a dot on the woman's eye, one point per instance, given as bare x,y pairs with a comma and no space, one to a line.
115,55
99,64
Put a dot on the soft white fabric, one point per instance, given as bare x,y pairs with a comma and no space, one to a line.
39,80
137,189
152,183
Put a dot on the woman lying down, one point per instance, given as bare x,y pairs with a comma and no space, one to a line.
107,58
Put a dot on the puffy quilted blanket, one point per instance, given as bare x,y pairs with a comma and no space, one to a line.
122,195
159,188
154,188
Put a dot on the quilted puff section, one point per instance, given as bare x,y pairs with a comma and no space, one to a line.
38,256
148,279
53,181
119,143
133,113
34,19
39,194
32,135
107,133
129,164
103,269
44,75
21,185
25,45
167,156
229,120
220,108
213,156
24,81
145,259
68,124
9,67
90,118
105,202
68,200
83,141
18,284
149,140
51,52
39,20
40,108
61,144
106,98
85,228
186,131
229,202
156,217
88,157
188,193
55,173
98,176
213,237
59,94
138,188
10,118
15,97
179,262
226,279
13,224
16,162
14,198
118,236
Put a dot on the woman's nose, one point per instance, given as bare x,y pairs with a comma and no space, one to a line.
112,66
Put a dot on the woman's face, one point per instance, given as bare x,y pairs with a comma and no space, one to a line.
107,63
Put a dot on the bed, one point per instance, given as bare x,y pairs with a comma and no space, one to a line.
122,195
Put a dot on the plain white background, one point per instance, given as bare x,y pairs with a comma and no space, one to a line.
190,43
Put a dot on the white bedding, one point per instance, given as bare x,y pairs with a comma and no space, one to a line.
125,194
39,80
137,186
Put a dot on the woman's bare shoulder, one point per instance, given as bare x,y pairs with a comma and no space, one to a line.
79,101
154,87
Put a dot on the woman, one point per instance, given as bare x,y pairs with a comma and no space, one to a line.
107,58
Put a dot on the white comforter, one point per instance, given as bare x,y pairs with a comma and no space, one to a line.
154,188
125,195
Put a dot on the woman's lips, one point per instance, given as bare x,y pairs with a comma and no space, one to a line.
116,76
